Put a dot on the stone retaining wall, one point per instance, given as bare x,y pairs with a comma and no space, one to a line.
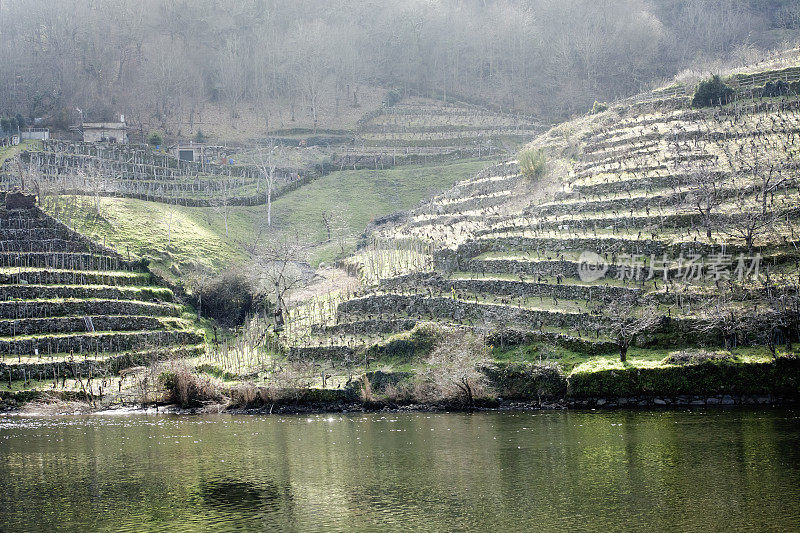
98,342
364,327
456,310
32,292
31,326
45,309
67,277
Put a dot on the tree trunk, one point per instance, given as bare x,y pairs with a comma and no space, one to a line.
269,205
623,353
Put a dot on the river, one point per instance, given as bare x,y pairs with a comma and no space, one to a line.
681,470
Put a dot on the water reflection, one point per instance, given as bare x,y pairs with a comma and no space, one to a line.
718,470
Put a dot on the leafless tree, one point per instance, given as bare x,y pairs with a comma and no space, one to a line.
705,195
161,60
748,221
278,268
725,315
266,158
337,228
626,318
452,368
222,202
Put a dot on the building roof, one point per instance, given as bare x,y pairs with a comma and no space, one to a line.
104,126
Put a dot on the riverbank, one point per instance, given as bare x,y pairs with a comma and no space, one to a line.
502,385
31,403
71,407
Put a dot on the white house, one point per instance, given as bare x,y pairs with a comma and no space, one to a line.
110,132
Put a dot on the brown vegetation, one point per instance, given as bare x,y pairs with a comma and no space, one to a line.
451,374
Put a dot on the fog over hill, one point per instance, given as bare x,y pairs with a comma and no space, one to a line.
281,63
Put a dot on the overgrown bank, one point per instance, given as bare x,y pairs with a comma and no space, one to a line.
441,370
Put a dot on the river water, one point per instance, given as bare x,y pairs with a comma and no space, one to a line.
689,470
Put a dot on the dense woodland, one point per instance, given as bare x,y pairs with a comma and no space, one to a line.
550,58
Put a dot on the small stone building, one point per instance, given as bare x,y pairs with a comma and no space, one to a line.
189,152
110,132
199,152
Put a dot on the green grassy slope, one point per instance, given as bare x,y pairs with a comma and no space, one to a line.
198,237
8,152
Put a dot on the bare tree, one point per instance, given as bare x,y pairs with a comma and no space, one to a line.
278,268
626,318
452,368
266,159
705,195
748,221
724,315
221,203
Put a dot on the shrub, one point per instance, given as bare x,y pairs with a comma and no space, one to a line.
227,298
532,163
712,92
599,107
694,357
155,139
392,97
399,393
416,342
775,88
794,87
187,389
200,137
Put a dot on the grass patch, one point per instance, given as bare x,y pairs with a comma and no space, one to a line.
7,152
176,238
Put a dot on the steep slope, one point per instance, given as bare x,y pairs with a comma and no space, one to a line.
654,218
68,303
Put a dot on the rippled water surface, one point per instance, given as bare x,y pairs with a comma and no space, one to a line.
717,470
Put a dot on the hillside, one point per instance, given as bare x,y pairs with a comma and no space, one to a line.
186,216
74,310
656,225
180,239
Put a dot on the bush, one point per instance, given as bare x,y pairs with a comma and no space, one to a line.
392,97
408,344
712,92
532,163
227,298
200,137
775,88
794,87
780,377
155,139
187,389
599,107
688,357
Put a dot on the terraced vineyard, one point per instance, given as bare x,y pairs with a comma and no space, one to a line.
656,224
134,171
421,131
73,309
